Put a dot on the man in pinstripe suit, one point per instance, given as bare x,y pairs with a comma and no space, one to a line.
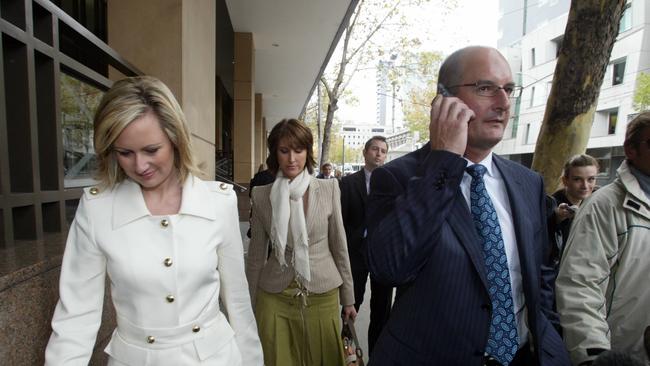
421,233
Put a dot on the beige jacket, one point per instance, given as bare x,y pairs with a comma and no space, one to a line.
602,289
328,251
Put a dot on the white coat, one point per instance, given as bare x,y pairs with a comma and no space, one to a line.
166,273
602,287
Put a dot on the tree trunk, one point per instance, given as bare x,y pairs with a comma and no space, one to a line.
332,106
589,37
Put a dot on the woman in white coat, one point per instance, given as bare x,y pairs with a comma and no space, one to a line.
168,241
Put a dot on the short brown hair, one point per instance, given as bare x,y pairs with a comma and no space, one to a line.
635,129
577,161
299,136
378,138
128,100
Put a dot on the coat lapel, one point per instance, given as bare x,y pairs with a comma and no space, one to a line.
197,200
360,186
469,239
128,203
314,186
521,221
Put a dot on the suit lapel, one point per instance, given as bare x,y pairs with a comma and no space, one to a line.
521,222
469,239
360,186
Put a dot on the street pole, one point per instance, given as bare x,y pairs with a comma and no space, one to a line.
393,108
320,141
343,155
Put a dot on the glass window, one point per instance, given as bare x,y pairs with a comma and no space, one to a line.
626,19
527,136
532,57
604,157
532,96
78,103
613,118
618,72
558,45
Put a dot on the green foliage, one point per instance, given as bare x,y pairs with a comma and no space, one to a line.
421,89
78,103
378,30
641,100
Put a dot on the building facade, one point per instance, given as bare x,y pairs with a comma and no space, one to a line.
531,35
230,63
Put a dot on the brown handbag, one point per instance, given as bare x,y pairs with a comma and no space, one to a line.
351,348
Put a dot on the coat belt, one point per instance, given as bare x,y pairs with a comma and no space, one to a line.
160,338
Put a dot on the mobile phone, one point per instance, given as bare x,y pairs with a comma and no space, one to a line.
443,91
573,208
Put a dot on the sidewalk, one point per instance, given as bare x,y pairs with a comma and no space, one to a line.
363,318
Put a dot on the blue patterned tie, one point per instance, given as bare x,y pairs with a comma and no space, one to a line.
502,341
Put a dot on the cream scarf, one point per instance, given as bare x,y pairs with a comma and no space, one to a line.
288,213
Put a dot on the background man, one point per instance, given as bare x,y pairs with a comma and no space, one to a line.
325,171
474,296
602,289
354,193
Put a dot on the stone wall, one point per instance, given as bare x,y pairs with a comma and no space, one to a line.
29,285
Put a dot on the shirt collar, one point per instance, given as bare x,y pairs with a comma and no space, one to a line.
487,163
367,172
129,203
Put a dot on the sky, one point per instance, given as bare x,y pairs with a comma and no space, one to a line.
472,22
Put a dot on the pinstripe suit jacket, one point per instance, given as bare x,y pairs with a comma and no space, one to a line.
328,252
421,233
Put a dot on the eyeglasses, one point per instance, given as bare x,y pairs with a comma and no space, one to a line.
490,90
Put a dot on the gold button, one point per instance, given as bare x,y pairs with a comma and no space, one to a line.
168,262
94,191
170,298
223,186
151,339
164,223
196,329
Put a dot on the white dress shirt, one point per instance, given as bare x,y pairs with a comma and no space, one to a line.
368,173
497,191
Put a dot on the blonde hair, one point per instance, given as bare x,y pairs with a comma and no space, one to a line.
128,100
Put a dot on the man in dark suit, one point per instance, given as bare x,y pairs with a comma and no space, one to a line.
261,178
325,172
354,193
477,293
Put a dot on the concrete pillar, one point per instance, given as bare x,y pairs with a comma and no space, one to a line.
180,50
265,134
259,132
244,111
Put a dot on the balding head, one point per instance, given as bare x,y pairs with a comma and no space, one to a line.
452,69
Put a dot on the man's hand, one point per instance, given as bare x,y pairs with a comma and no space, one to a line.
448,126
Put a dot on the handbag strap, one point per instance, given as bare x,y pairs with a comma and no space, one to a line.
350,324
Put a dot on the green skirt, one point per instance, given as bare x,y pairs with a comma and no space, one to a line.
298,330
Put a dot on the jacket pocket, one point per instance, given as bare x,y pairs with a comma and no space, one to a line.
216,337
126,353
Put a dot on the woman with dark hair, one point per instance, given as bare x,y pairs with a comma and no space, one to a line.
296,288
